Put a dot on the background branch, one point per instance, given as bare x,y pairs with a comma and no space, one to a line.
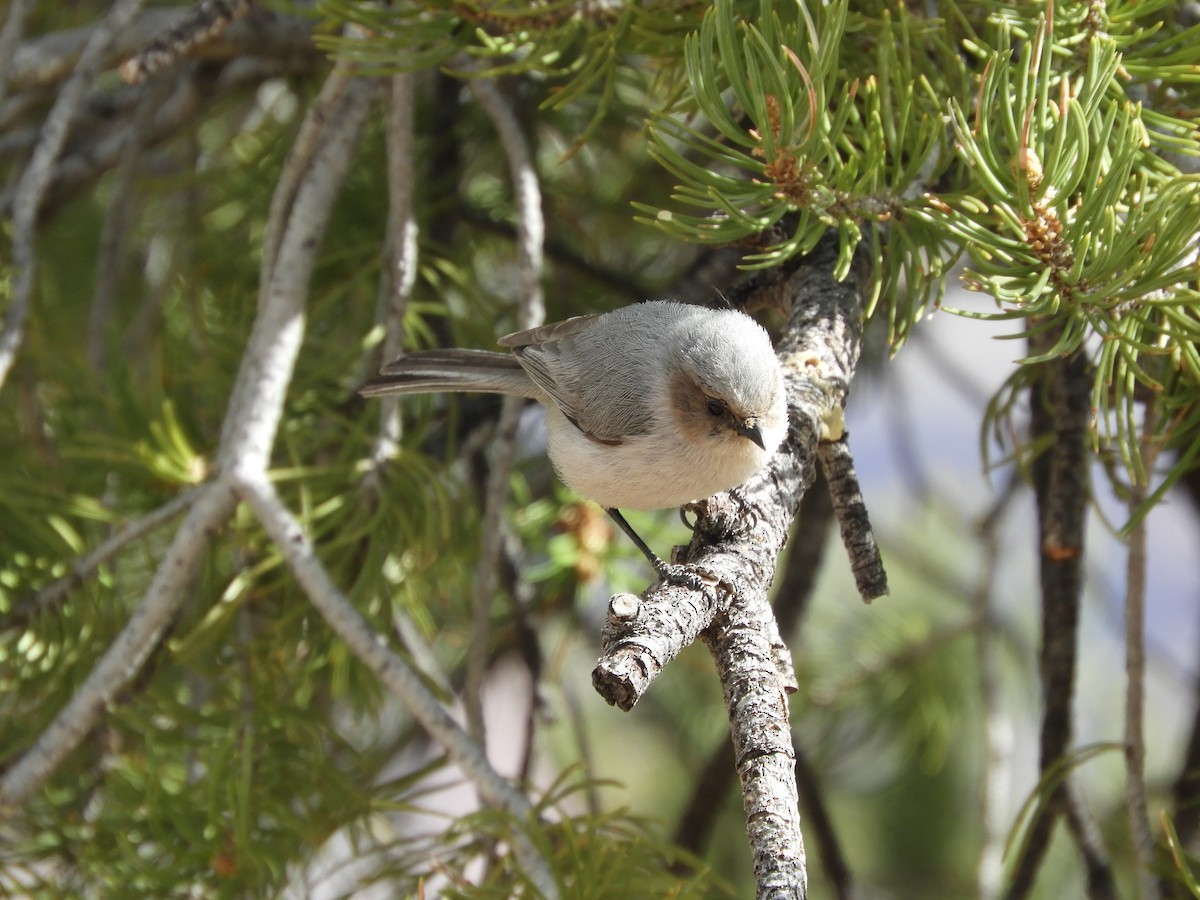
1061,411
36,178
531,312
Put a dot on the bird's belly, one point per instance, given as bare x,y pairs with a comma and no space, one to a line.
646,471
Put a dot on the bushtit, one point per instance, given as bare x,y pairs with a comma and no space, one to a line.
647,407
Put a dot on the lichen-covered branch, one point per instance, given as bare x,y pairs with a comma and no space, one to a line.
736,539
857,535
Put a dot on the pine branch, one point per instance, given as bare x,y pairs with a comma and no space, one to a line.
124,658
402,681
56,592
248,435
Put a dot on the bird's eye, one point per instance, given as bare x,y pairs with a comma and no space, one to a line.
715,407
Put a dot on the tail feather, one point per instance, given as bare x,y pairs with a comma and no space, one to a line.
431,371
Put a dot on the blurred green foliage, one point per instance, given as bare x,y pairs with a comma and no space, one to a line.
1052,155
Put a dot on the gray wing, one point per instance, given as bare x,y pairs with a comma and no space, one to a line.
544,354
545,334
593,373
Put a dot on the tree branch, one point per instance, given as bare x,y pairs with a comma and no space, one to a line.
118,216
10,37
402,681
41,63
37,174
248,434
854,522
736,538
401,258
127,653
531,230
55,592
203,23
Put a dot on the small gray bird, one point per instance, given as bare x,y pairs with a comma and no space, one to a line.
649,406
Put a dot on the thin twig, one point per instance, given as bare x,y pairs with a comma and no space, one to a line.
196,91
10,37
1101,884
247,436
304,147
855,524
125,656
400,273
532,311
331,130
1135,675
42,62
204,22
37,175
115,228
55,592
402,681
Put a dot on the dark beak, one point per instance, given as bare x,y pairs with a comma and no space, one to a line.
753,432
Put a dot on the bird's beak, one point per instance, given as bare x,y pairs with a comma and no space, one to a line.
751,430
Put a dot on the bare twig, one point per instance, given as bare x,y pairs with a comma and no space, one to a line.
851,511
532,311
106,134
37,175
117,217
10,37
304,147
400,274
40,63
402,681
55,592
247,436
204,22
1101,885
997,724
125,656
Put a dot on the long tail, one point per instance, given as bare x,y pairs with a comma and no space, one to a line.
430,371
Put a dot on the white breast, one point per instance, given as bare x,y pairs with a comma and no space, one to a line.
647,471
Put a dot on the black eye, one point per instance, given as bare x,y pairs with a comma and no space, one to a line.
715,407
